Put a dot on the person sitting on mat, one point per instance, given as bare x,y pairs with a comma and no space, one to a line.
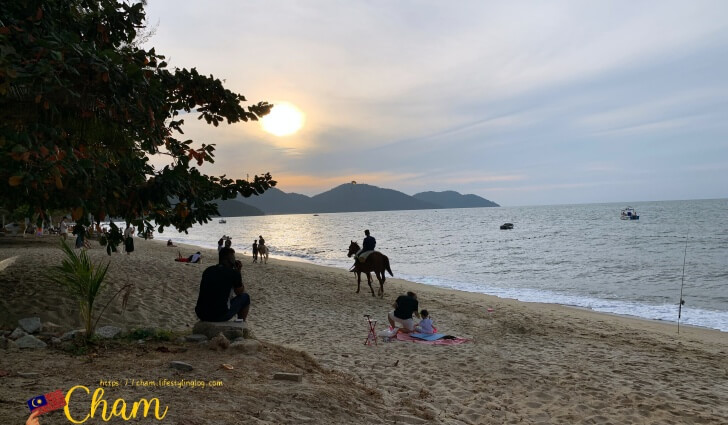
404,307
425,325
214,303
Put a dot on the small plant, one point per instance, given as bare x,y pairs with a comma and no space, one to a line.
84,281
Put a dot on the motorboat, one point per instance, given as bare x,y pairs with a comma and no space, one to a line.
629,214
222,221
506,226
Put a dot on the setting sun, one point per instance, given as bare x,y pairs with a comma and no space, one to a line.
284,119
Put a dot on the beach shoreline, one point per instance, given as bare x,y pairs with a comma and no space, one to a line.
524,362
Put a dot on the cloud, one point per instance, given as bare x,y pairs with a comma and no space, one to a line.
430,96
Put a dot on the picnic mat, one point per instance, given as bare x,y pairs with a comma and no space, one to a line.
436,341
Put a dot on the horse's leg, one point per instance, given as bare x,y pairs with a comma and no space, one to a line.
369,281
380,278
358,281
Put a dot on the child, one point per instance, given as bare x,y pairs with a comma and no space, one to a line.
425,325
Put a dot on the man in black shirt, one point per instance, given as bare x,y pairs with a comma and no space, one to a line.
404,307
215,286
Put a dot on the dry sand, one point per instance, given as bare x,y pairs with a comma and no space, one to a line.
526,363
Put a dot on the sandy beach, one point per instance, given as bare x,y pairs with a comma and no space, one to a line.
525,363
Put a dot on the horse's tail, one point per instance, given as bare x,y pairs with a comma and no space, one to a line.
386,265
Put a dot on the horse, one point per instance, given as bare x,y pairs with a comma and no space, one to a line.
376,262
263,254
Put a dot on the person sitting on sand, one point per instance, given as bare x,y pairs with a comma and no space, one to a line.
228,243
169,243
425,325
194,258
404,307
214,303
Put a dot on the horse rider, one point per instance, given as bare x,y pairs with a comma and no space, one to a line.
367,246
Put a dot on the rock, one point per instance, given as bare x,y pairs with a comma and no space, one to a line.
3,342
283,376
17,333
220,342
73,335
231,330
195,338
246,346
55,341
185,367
30,324
29,341
108,332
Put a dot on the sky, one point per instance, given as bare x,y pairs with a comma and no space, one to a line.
520,102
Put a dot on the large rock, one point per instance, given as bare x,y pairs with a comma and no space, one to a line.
108,332
231,330
30,324
29,341
195,338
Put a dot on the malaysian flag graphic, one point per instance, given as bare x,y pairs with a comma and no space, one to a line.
47,402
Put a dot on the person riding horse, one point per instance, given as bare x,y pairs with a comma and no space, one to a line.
367,247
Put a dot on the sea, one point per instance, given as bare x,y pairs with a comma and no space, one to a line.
575,255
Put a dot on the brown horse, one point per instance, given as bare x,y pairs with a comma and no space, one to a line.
376,262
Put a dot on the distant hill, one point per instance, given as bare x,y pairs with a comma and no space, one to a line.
348,197
452,199
363,197
276,201
235,208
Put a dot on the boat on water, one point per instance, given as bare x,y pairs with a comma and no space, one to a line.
506,226
629,214
222,221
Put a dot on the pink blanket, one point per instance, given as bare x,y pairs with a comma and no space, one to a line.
405,337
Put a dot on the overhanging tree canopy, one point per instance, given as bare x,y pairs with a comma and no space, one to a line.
83,109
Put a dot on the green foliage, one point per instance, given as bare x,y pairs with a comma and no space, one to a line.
83,280
164,335
84,108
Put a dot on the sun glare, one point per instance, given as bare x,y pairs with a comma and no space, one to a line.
284,119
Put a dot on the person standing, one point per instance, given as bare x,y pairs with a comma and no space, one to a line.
214,303
80,231
63,228
128,239
255,250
